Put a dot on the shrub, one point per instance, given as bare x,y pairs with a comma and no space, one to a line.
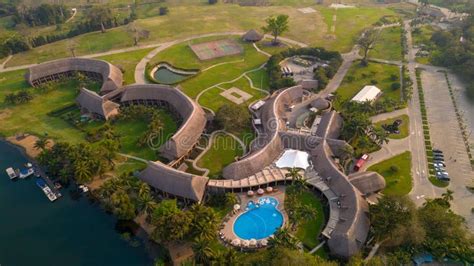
395,86
212,2
393,77
374,82
163,10
394,168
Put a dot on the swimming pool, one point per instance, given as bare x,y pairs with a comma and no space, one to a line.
261,219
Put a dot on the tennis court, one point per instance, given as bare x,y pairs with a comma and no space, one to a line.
216,49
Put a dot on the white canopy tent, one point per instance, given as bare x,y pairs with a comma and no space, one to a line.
293,159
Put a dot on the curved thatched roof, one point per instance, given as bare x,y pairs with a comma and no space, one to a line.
94,103
367,182
252,36
267,147
352,229
194,119
320,104
172,181
52,70
330,125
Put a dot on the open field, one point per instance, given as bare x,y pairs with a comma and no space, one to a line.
404,127
389,45
224,149
397,174
126,62
359,76
184,21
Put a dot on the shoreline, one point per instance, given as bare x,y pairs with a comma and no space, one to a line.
152,248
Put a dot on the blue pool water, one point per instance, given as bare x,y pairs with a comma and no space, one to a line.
260,220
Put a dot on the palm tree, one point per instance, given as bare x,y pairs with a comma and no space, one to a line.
146,204
298,180
82,172
380,135
231,257
41,143
143,189
202,251
283,238
448,195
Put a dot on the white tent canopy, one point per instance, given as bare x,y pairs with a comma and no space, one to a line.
293,159
368,93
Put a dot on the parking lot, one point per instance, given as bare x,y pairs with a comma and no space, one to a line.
446,136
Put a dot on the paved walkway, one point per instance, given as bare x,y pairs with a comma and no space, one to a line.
393,148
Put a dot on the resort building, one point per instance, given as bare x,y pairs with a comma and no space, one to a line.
252,36
369,93
92,103
108,74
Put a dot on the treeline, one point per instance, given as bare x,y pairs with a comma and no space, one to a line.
455,49
44,14
322,74
96,18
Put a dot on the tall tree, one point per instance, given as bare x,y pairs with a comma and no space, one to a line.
137,33
367,43
100,16
276,26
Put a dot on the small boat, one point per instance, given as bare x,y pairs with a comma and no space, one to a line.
84,188
47,190
11,173
24,173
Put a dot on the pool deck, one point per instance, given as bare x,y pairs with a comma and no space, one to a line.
227,227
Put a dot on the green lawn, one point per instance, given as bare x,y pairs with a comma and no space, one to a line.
181,56
359,76
184,21
33,117
398,182
127,62
260,79
422,35
309,230
389,45
131,131
349,23
224,149
404,127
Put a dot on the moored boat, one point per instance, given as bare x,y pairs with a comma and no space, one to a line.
46,189
12,174
24,173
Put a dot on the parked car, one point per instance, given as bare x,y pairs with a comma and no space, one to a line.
444,178
437,150
439,164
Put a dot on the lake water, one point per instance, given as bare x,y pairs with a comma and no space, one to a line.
35,231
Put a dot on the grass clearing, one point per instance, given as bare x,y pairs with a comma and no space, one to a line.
359,76
184,21
404,127
224,149
127,62
389,45
397,174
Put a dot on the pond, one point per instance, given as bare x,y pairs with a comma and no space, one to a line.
166,74
261,219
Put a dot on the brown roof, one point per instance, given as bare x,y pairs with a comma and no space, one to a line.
267,147
194,119
111,75
320,104
367,182
352,228
330,125
252,36
94,103
172,181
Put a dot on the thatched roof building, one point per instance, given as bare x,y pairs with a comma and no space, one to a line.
367,182
93,103
192,116
321,104
252,36
330,125
108,74
171,181
267,147
351,230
